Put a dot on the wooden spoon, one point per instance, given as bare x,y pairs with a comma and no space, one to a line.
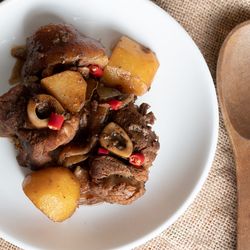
233,84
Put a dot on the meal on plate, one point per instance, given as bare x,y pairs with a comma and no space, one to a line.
73,119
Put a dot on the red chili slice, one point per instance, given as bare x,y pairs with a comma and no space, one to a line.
137,159
55,121
114,104
95,71
103,151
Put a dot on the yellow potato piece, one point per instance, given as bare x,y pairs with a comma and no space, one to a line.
68,87
55,191
131,67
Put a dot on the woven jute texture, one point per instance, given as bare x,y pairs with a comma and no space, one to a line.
210,222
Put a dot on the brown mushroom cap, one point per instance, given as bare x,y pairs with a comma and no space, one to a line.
42,103
116,140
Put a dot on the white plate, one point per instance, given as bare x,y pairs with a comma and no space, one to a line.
182,97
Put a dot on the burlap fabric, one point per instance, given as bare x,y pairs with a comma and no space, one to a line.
210,222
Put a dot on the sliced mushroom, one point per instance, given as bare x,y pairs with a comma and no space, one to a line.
40,107
71,151
126,99
74,160
116,140
99,114
92,85
84,71
106,93
75,154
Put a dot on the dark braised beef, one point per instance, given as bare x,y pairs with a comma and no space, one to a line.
103,178
13,105
137,123
57,47
12,109
115,180
36,147
109,178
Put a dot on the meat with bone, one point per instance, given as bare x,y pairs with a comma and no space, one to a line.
56,45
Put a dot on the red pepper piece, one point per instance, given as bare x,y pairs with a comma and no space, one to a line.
114,104
95,71
137,159
55,121
103,151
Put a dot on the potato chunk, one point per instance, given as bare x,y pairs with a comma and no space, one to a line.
131,67
55,191
68,87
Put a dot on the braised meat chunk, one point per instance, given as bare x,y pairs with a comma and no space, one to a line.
117,181
36,147
13,105
58,45
74,120
12,109
136,121
114,181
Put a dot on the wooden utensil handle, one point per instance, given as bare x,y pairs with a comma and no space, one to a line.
242,157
